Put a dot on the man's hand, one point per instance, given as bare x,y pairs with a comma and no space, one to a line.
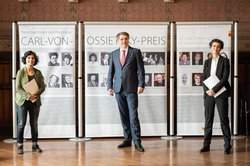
140,90
111,92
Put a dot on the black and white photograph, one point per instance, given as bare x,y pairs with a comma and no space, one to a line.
53,81
67,59
148,79
93,58
53,59
153,58
105,58
67,81
93,80
104,80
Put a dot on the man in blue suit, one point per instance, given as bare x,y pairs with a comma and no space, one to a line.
126,78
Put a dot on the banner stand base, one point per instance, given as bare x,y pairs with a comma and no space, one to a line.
171,137
236,137
10,141
80,139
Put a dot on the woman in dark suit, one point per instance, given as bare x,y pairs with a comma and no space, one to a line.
27,102
219,66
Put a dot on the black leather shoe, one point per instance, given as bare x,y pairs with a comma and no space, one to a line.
139,148
205,149
36,148
228,150
124,144
20,149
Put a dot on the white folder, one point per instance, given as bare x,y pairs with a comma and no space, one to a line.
211,81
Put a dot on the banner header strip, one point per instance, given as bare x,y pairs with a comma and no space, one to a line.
125,23
205,23
46,23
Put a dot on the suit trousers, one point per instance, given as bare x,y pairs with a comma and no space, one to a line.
128,108
222,106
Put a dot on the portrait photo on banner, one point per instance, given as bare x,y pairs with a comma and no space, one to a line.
105,58
159,79
153,58
184,58
53,59
93,80
67,59
93,58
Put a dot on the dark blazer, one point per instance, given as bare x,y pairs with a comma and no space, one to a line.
222,72
130,76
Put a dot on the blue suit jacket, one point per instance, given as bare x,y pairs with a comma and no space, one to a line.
222,72
130,76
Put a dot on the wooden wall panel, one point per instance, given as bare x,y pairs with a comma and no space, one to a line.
134,10
5,98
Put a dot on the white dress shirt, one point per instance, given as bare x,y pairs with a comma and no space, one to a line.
214,65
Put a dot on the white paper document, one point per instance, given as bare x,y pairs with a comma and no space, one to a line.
211,81
31,87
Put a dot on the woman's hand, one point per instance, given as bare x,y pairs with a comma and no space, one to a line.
210,92
33,97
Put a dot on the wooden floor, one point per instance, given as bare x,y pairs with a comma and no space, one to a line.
104,152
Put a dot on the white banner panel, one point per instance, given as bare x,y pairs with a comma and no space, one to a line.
54,43
101,110
193,42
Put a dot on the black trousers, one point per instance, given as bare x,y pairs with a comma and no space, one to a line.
222,105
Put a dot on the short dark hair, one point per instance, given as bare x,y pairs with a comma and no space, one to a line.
197,74
185,53
53,54
92,55
28,53
66,55
217,41
122,33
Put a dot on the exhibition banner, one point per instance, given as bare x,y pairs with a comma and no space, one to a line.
192,51
54,44
101,110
